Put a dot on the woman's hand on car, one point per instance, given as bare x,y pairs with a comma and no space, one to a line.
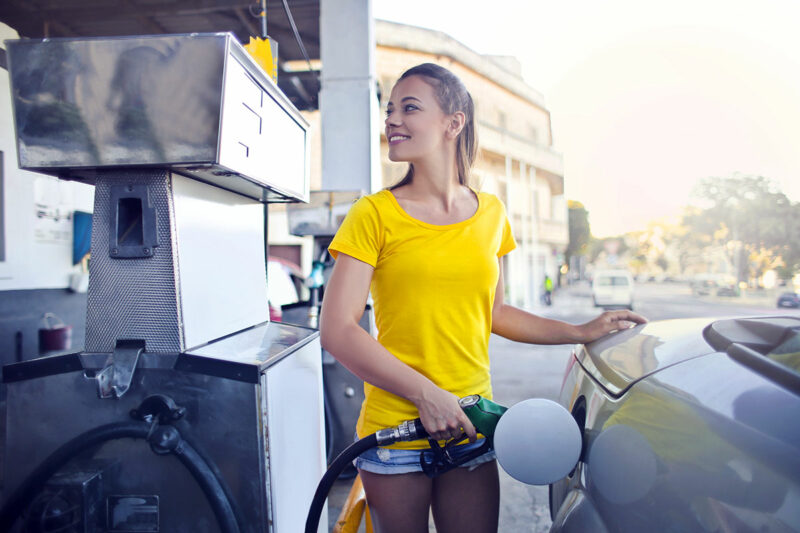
607,322
442,416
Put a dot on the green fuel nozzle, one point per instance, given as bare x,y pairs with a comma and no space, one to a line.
484,415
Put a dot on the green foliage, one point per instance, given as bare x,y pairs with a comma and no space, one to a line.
750,214
580,234
598,246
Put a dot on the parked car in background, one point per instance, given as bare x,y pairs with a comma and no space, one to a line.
612,288
689,425
789,299
714,285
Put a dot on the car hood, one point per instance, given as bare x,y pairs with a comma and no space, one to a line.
619,360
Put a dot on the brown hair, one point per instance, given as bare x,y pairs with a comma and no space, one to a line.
452,96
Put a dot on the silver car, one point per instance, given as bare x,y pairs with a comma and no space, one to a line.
689,425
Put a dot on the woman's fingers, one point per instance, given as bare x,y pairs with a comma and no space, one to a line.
610,321
470,430
443,417
451,429
628,316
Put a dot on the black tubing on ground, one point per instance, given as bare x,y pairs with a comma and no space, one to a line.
22,497
342,460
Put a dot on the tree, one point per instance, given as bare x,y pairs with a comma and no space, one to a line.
580,233
750,216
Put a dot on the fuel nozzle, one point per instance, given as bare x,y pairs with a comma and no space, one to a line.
405,431
484,415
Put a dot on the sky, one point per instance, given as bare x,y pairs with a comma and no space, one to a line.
646,97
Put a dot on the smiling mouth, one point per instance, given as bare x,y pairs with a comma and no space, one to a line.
394,139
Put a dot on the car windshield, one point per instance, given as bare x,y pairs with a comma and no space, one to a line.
612,281
787,353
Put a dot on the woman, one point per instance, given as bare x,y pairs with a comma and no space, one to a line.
430,250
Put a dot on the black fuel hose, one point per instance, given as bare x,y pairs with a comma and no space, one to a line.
340,463
210,484
407,431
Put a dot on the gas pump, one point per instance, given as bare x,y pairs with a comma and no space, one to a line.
187,410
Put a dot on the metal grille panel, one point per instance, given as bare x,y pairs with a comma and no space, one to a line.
134,298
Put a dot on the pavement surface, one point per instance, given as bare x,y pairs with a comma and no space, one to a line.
521,371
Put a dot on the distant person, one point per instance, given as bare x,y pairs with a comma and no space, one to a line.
548,290
430,249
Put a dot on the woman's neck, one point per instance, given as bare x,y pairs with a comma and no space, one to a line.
436,180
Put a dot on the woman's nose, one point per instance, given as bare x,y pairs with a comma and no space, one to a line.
392,120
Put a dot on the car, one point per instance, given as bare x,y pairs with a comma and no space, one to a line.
688,425
714,285
612,288
789,299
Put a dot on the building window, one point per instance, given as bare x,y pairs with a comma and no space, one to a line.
534,133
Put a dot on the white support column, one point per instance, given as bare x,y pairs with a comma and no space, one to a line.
512,259
526,239
538,275
348,101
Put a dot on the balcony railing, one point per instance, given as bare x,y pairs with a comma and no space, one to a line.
553,231
519,147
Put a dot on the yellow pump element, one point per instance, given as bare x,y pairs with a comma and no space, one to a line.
354,509
265,52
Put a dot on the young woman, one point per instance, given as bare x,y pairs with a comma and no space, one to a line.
430,249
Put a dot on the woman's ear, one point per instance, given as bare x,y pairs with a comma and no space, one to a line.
457,121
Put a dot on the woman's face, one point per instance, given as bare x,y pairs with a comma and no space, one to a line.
415,124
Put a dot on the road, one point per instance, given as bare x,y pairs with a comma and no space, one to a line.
521,371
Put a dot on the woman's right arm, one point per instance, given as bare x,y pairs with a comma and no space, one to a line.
342,307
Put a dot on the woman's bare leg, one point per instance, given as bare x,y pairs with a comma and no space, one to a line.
467,501
398,503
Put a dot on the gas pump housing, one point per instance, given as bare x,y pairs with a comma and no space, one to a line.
188,410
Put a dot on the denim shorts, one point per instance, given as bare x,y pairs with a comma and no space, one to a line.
391,461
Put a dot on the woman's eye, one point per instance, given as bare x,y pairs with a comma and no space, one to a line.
410,107
389,111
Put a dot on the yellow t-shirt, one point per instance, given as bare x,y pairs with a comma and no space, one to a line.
433,288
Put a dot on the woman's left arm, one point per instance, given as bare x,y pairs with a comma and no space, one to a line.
521,326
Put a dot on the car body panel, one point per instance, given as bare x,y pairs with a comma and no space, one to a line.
618,360
702,444
578,515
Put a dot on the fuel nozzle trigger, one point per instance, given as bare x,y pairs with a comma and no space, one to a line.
440,459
